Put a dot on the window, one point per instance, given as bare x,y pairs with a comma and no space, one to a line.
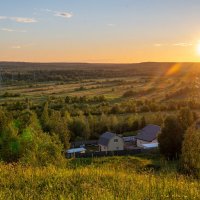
115,140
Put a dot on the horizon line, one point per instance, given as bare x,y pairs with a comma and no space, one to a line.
74,62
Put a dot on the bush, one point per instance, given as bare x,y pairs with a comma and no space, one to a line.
129,93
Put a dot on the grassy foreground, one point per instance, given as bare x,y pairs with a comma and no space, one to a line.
102,178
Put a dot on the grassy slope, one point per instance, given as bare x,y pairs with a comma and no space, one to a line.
102,178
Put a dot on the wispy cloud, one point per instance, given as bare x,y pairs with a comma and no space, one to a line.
16,47
21,46
3,17
12,30
160,45
59,13
63,14
180,44
23,20
111,25
19,19
46,10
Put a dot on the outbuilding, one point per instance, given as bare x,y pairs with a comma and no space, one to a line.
72,152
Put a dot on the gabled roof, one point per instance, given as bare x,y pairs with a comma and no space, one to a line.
105,138
148,133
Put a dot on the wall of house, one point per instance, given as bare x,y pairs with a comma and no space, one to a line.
140,142
103,148
116,144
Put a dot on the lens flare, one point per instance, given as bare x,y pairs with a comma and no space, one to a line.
173,69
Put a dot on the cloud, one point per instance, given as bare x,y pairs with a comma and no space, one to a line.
63,14
22,46
159,45
182,44
12,30
58,13
111,25
23,20
3,17
16,47
46,10
19,19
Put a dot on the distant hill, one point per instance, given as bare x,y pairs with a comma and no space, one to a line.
95,70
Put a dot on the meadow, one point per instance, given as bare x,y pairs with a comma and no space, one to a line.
107,178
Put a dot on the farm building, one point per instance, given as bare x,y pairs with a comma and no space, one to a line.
72,152
110,142
148,135
150,145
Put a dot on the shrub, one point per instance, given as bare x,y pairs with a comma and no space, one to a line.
129,93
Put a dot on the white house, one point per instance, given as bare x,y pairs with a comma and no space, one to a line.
148,135
110,142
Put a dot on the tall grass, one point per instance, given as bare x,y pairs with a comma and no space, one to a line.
102,179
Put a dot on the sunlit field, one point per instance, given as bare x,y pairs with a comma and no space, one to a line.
147,81
103,178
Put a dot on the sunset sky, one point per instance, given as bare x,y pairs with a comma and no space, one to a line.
100,30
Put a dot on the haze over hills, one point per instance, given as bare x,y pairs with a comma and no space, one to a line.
30,66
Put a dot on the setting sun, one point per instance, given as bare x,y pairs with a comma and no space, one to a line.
198,48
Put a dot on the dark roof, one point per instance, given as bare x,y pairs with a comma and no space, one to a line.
105,138
148,133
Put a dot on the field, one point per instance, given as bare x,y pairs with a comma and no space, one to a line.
120,178
147,80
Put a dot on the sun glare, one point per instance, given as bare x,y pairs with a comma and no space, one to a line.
198,48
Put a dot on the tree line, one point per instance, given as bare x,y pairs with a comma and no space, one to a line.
179,139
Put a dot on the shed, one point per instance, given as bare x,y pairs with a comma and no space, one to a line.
72,152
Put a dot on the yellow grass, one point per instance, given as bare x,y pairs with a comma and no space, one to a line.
100,180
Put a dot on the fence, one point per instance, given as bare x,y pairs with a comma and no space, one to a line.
107,153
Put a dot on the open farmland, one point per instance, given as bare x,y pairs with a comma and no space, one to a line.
160,81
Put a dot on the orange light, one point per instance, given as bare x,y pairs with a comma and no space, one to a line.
174,69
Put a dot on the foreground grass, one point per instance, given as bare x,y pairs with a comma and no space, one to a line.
103,178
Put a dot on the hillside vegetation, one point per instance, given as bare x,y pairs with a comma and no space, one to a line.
101,178
45,107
